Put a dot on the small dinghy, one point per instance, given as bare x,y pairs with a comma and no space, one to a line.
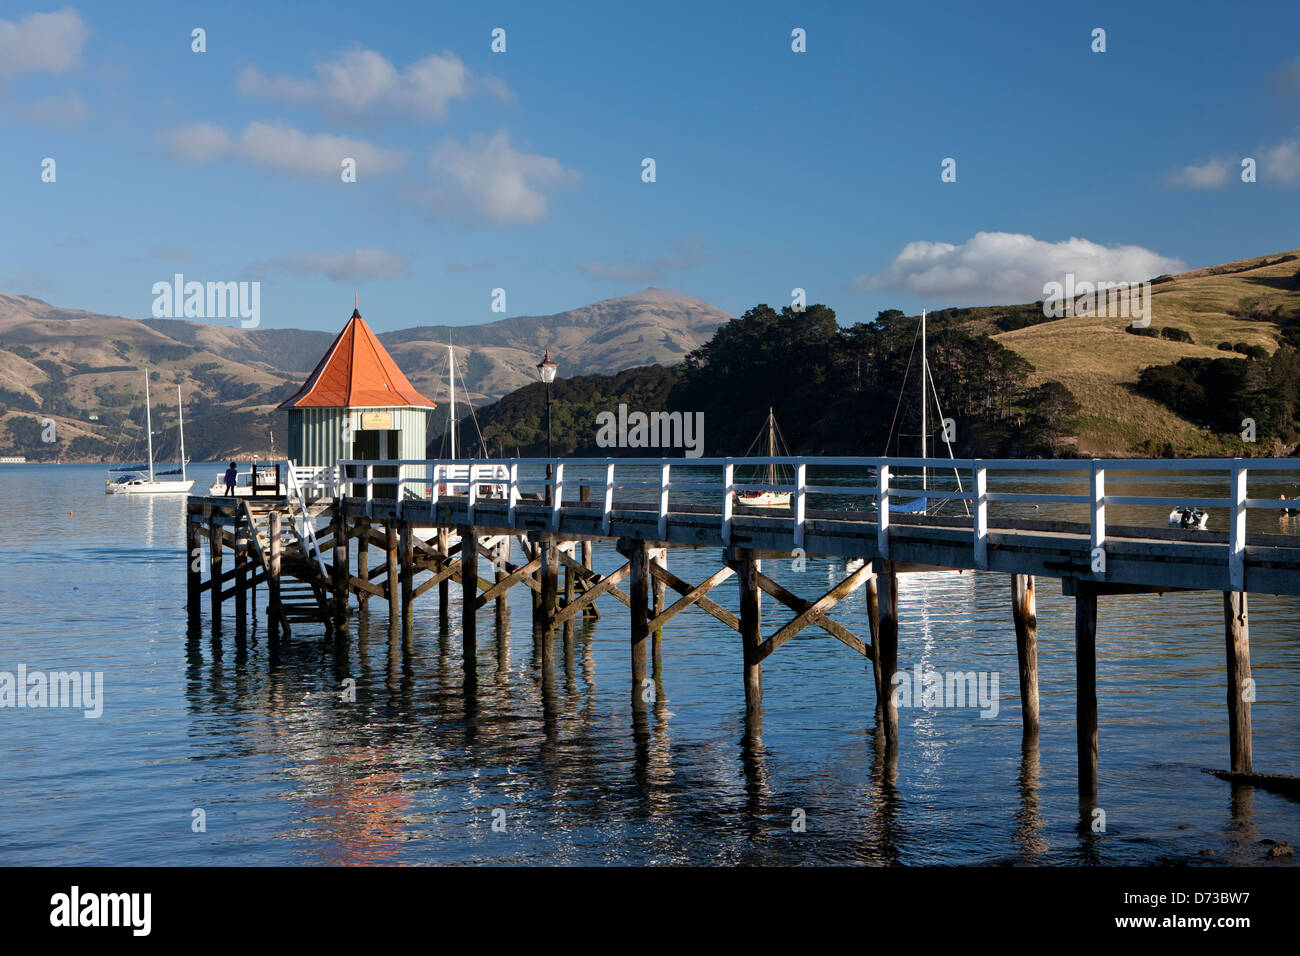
1187,517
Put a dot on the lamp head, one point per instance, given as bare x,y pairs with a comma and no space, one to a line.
546,368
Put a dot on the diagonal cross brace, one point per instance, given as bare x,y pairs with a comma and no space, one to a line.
693,595
597,586
813,612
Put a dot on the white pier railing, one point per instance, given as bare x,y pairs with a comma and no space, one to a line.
1063,489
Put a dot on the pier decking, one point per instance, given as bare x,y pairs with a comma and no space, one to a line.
423,520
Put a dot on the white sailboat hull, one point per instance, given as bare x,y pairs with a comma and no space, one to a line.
140,483
764,499
146,487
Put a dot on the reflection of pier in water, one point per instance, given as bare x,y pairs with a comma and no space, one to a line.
554,534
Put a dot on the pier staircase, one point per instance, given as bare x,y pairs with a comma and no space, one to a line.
304,594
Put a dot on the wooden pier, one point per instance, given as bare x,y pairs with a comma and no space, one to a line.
439,528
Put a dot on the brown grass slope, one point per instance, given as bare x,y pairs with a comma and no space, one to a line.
1098,361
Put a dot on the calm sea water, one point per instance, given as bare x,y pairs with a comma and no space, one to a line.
416,770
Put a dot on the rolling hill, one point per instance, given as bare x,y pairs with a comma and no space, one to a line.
71,365
82,369
1239,302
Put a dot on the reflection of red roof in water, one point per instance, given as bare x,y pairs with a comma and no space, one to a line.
357,372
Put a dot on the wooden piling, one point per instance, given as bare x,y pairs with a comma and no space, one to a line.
1085,664
407,577
534,551
394,579
444,586
545,618
584,494
502,608
363,565
751,634
214,573
273,612
1025,613
469,599
1240,689
887,655
241,578
503,558
570,585
340,572
588,556
570,591
193,574
639,600
873,622
660,558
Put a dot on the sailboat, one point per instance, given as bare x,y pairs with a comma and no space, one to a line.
452,471
921,503
454,479
132,482
767,499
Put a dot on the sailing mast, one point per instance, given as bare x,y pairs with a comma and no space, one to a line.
180,415
771,446
451,381
148,421
924,442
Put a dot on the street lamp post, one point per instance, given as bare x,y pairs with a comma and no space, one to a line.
546,372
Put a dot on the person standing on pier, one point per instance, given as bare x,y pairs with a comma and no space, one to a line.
232,476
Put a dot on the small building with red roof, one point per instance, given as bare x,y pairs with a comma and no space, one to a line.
357,404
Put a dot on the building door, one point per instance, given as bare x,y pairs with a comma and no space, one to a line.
374,446
388,447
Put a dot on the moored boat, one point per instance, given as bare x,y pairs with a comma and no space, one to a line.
767,497
134,482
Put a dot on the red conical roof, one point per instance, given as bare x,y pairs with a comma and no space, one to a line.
357,372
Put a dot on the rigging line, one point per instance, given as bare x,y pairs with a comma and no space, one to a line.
902,389
757,439
762,434
782,446
939,408
474,418
780,437
121,431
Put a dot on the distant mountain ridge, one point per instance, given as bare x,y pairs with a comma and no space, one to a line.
1152,394
72,364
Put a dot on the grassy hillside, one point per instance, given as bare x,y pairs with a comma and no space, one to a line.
1099,362
82,370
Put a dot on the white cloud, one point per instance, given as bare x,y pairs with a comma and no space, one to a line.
281,147
492,179
359,266
1210,175
199,143
1280,163
1000,268
42,43
360,83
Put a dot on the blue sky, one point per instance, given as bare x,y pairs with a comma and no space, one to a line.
522,170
